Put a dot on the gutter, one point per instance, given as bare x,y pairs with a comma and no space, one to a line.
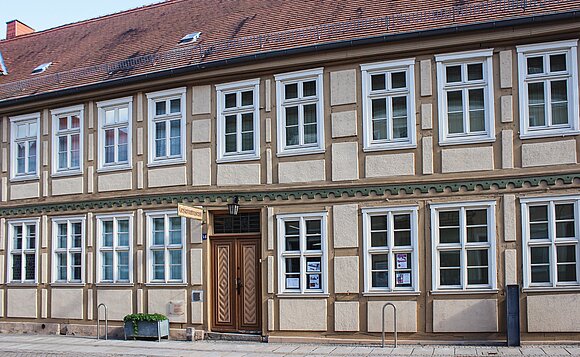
536,19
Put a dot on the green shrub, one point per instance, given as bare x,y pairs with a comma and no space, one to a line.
135,318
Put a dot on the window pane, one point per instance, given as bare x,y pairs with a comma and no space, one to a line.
248,97
399,106
535,65
309,88
453,74
449,227
558,62
110,116
123,261
565,229
123,232
567,273
176,265
538,213
247,141
76,235
107,233
30,267
62,235
310,126
31,241
449,259
175,106
566,253
310,113
559,91
158,231
107,265
379,108
175,230
477,276
230,100
292,137
292,240
540,255
475,71
160,140
230,124
398,80
450,277
291,91
123,114
476,234
62,266
455,112
540,274
476,110
400,128
477,257
378,82
160,108
175,132
62,123
292,265
476,217
75,122
380,129
247,122
18,232
32,157
536,104
16,267
158,265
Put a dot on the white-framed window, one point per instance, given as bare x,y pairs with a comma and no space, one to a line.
551,237
68,243
302,253
389,105
23,248
463,237
548,87
390,249
300,112
166,126
114,245
25,139
115,119
67,140
465,101
238,111
165,247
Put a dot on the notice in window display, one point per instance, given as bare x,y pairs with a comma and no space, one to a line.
403,278
314,281
402,261
313,266
292,283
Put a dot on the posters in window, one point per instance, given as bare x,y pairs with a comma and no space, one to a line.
313,266
402,261
314,281
292,283
403,278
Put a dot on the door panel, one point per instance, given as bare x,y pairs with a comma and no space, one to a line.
236,284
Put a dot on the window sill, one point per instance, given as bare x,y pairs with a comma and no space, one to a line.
67,173
19,179
114,168
464,292
466,140
25,284
391,293
67,285
102,285
168,162
236,158
305,295
551,289
538,134
301,151
389,146
166,284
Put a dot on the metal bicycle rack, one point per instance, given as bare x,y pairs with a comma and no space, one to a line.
394,323
99,322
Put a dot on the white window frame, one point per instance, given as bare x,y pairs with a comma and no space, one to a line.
391,250
14,122
78,110
552,242
24,251
302,254
571,48
463,245
114,249
68,250
166,248
464,58
368,70
176,93
293,77
115,104
237,88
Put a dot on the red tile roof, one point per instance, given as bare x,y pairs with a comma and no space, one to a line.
145,40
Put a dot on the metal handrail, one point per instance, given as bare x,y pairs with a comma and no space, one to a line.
394,321
106,321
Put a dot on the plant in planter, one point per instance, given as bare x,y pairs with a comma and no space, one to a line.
146,325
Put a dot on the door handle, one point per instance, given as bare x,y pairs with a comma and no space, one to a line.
239,285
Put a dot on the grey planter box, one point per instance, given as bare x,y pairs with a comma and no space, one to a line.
147,329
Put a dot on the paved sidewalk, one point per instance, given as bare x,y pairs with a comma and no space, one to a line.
67,346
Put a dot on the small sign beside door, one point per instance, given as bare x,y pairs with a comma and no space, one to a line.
193,212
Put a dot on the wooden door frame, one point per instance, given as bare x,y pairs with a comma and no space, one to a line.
235,238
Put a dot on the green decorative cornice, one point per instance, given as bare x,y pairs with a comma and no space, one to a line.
298,194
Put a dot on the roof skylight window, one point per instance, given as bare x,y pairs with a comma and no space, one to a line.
43,67
192,37
3,70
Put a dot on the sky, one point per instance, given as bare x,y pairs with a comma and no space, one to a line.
43,14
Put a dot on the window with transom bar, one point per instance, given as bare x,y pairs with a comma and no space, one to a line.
23,247
166,247
548,84
463,238
67,140
390,245
551,235
166,126
115,133
114,245
24,146
68,253
466,102
302,253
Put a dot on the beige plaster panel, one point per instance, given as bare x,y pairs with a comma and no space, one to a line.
67,303
197,312
201,167
140,175
270,282
346,272
201,100
196,266
509,218
139,141
201,131
159,301
21,303
115,182
344,124
473,315
426,83
238,174
390,165
91,305
119,303
511,266
271,324
553,313
343,87
4,189
1,303
167,176
427,116
505,69
507,111
44,304
406,316
507,149
427,151
467,159
303,314
20,191
196,231
345,226
549,153
67,186
90,179
346,316
344,161
301,171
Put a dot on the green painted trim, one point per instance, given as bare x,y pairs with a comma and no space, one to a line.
378,190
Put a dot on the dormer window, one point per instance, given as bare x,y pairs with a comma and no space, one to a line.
191,37
43,67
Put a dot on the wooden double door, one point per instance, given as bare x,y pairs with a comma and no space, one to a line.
236,284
